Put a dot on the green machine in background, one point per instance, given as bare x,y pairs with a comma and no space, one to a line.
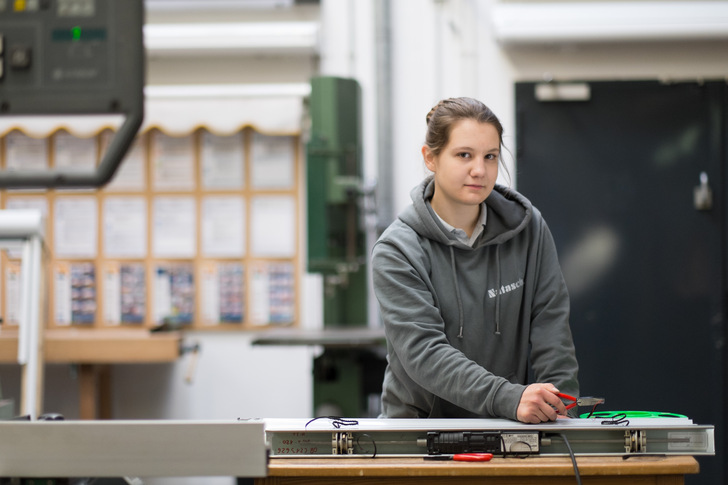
336,244
345,376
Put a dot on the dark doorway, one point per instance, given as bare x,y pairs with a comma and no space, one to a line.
613,167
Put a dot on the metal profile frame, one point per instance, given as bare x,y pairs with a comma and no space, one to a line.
411,437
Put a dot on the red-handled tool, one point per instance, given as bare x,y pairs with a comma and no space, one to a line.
580,401
472,456
461,457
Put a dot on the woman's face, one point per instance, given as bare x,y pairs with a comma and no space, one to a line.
467,167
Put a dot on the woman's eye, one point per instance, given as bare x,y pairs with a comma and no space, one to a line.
463,155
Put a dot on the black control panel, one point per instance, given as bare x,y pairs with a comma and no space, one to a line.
73,57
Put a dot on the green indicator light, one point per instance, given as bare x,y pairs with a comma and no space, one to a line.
77,34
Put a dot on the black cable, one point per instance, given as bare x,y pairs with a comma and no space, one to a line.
374,455
617,419
592,411
573,457
524,454
336,421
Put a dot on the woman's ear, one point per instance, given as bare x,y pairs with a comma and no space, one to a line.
430,159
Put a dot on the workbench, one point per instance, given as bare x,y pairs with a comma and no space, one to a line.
94,351
602,470
169,448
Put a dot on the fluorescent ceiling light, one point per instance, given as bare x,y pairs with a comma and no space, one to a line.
610,21
207,5
239,37
227,90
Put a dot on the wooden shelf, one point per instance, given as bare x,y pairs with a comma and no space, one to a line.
98,346
94,350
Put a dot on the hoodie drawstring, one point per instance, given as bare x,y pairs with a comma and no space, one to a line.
497,291
457,291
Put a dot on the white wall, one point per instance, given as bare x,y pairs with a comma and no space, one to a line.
231,379
440,49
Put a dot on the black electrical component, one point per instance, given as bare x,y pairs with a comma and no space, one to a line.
452,442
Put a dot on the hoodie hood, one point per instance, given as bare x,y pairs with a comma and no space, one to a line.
508,214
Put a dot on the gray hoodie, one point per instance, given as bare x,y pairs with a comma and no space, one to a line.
469,327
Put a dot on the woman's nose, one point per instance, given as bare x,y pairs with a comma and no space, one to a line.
477,168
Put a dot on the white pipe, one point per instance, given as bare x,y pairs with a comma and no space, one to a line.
33,370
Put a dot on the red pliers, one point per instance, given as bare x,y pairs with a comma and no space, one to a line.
580,401
472,456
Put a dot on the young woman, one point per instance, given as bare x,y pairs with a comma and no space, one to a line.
469,286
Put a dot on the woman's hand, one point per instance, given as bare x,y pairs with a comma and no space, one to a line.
539,403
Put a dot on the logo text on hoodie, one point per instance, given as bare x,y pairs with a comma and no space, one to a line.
505,289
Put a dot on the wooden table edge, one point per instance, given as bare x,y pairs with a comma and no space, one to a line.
540,466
